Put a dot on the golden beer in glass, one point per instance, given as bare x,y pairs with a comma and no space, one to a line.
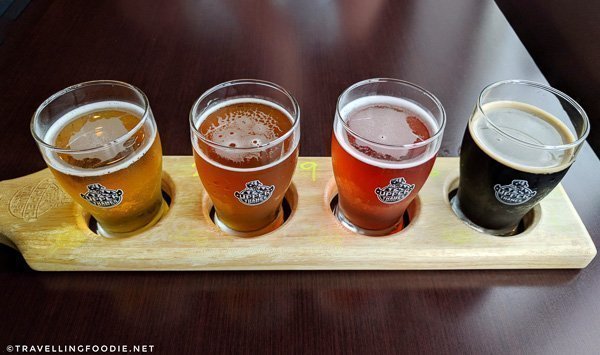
101,142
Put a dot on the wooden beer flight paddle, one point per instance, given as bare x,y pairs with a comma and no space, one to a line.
52,232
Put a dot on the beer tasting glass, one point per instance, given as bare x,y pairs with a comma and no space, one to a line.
386,135
519,143
100,141
245,135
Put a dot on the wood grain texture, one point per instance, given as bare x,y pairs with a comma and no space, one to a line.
52,233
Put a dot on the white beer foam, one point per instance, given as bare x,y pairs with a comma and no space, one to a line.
56,128
426,118
238,152
536,127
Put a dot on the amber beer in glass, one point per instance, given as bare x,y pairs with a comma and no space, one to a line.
386,136
245,135
100,141
519,143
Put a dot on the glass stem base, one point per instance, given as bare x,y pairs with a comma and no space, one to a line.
368,232
507,232
164,208
277,222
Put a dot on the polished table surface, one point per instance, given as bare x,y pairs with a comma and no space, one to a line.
174,51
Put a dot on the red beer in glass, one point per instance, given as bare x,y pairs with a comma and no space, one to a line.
385,139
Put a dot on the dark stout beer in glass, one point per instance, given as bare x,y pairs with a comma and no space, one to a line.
519,143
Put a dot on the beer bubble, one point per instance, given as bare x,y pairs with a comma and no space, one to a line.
523,123
243,123
384,125
95,125
247,126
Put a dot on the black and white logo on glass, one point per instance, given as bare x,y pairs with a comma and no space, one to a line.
515,193
396,191
101,196
255,193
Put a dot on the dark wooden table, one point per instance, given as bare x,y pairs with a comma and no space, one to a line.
174,50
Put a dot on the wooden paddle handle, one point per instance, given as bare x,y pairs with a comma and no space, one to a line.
25,200
4,240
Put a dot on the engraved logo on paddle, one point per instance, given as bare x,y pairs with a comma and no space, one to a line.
515,193
255,193
32,201
101,196
396,191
